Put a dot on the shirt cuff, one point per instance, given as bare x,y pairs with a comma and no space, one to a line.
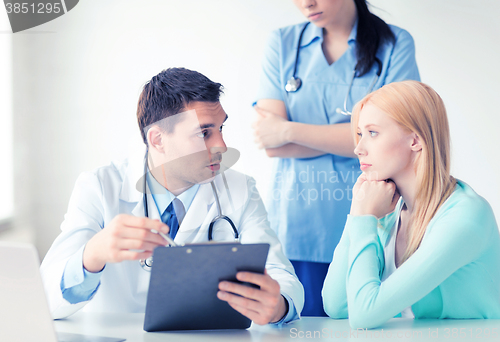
291,315
75,274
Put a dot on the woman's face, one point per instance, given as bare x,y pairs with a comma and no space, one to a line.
385,149
322,12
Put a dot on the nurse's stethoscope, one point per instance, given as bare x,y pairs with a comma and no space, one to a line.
148,263
294,83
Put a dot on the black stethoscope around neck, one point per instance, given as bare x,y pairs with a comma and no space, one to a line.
294,83
148,263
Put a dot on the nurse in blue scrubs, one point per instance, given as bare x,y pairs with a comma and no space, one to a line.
312,75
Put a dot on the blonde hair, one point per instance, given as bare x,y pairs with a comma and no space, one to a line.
417,108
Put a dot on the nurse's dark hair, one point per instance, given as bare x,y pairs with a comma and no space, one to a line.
168,93
372,32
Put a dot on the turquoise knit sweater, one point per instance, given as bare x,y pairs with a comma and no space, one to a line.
455,273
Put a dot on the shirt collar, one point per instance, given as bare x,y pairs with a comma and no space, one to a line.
163,197
313,33
354,32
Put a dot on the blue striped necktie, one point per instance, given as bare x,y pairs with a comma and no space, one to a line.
170,219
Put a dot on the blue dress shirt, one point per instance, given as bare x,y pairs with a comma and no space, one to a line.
163,197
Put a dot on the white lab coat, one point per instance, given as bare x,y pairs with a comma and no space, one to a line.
102,194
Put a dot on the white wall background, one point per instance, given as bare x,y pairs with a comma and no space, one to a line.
76,81
6,138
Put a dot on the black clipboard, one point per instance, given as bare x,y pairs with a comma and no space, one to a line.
184,283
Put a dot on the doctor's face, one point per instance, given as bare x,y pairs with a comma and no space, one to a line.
322,13
193,151
384,147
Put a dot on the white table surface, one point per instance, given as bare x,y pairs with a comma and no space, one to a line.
129,326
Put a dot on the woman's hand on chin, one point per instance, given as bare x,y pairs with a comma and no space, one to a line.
373,197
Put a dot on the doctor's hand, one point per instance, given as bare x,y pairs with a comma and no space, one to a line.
270,130
373,197
116,241
263,306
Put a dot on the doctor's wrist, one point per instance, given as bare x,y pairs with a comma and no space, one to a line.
89,260
282,311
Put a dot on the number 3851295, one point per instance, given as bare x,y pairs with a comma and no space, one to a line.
24,8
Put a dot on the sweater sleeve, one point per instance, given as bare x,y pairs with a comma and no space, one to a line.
452,240
334,288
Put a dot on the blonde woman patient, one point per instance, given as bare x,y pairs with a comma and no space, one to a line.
417,242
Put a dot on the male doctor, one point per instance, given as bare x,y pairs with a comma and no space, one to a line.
94,262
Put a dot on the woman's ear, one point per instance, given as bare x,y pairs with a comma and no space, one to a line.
416,144
154,137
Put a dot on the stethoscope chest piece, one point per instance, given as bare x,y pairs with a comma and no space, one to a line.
293,84
147,263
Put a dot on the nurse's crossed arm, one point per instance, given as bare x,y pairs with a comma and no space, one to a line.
288,139
120,241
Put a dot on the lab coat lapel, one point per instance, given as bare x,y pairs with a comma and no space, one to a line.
132,191
133,187
152,208
133,179
202,211
197,216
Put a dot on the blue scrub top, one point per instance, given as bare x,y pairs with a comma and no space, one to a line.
311,197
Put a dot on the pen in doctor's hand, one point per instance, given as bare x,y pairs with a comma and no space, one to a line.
125,237
165,236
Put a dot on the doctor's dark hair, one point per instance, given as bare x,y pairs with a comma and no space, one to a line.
169,92
372,32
